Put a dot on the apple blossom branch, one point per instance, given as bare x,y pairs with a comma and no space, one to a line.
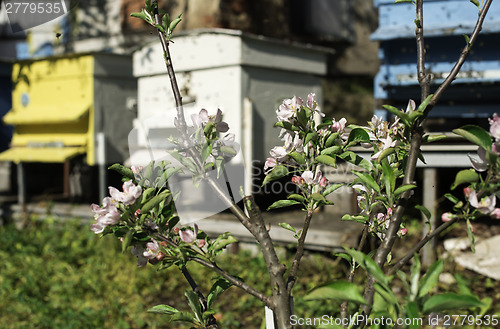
417,133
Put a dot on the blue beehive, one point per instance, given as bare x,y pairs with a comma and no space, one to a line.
5,103
475,94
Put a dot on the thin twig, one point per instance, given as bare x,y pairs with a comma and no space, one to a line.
292,277
400,263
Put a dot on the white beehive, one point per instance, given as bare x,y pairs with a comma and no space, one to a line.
244,75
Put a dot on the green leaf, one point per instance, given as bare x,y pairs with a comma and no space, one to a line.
355,159
318,197
122,170
389,178
466,37
286,125
331,188
357,218
452,198
206,151
331,139
367,180
163,309
282,203
424,211
194,304
402,1
217,289
421,108
296,197
332,150
369,265
326,159
224,242
465,176
312,136
400,114
358,135
277,173
475,135
450,302
433,138
183,317
412,312
174,23
287,226
141,15
127,240
476,3
155,201
339,291
404,188
387,295
299,158
430,279
228,150
385,153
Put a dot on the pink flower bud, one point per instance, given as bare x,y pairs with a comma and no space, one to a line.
446,217
160,256
403,231
175,230
201,243
323,182
137,212
467,191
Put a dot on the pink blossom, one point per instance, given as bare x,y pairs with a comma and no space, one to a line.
105,215
387,143
288,109
202,243
339,126
486,205
402,231
495,126
298,180
152,250
310,100
495,213
323,182
411,106
188,235
269,165
279,153
446,217
201,119
130,193
481,164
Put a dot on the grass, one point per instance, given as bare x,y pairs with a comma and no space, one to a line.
57,274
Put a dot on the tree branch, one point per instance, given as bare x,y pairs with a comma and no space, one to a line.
400,263
292,277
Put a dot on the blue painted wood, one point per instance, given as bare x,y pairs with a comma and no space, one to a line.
475,93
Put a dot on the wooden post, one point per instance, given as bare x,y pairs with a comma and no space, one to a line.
429,200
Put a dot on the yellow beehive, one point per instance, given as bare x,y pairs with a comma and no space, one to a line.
60,104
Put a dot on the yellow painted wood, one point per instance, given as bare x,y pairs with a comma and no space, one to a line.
52,103
40,154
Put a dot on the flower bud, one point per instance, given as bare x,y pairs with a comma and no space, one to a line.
201,243
160,256
176,230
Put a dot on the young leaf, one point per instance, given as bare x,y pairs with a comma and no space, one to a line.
475,135
217,289
355,159
421,108
450,302
296,197
367,180
475,2
122,170
155,201
430,279
339,291
194,304
282,203
465,176
127,240
299,158
332,150
331,188
400,114
358,218
277,173
326,159
404,188
287,226
312,136
424,211
286,125
163,309
358,135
